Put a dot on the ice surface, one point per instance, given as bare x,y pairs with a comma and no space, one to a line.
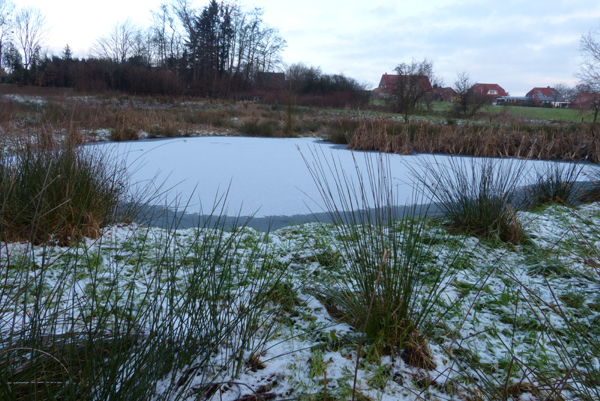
263,176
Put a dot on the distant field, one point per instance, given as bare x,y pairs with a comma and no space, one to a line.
540,113
530,113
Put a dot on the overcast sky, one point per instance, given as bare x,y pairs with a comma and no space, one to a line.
518,44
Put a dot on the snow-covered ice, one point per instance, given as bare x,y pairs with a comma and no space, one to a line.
263,177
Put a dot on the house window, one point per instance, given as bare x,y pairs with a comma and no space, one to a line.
492,92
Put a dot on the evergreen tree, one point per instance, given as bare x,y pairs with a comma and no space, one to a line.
12,58
67,54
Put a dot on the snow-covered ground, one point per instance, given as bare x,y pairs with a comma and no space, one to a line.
25,99
500,306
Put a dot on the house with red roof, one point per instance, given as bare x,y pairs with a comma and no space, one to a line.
389,83
547,96
492,91
445,94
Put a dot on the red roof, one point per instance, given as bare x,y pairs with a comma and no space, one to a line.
388,82
546,91
488,89
545,94
446,90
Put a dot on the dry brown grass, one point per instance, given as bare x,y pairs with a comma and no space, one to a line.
38,111
372,134
30,111
417,353
527,142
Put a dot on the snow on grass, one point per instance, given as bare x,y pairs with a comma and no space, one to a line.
25,99
523,316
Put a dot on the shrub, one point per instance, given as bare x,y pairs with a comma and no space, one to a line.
60,194
307,126
167,131
124,134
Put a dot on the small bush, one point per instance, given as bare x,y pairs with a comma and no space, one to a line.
307,125
60,194
124,134
169,131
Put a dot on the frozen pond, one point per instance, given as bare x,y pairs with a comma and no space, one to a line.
264,177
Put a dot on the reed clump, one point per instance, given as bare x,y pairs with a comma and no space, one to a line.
382,292
476,196
58,193
571,142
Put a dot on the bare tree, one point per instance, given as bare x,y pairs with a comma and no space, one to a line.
469,101
411,85
588,99
589,73
270,50
118,45
590,67
6,24
563,93
143,50
248,40
166,36
30,32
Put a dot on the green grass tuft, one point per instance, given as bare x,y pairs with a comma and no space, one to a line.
59,194
476,196
554,185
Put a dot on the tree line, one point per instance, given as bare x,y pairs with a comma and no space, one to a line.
219,50
211,50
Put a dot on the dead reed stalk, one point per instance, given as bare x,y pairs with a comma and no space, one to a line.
526,142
